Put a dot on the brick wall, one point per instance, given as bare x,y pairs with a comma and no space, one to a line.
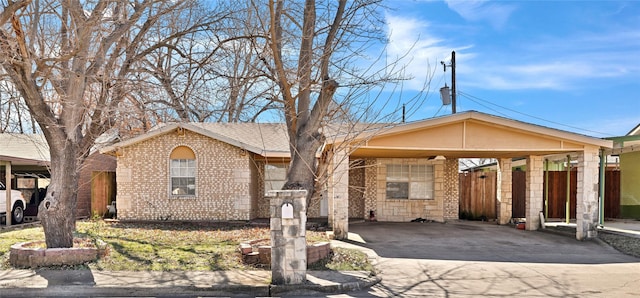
370,186
356,189
224,180
450,187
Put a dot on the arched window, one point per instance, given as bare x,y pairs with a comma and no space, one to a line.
183,171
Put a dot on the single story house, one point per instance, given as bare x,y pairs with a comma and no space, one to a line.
628,149
221,171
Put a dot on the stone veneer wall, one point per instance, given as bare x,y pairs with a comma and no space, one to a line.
223,180
356,189
535,191
404,210
587,208
451,189
370,186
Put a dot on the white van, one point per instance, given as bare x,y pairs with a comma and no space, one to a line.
17,204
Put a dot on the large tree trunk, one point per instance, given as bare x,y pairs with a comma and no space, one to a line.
58,211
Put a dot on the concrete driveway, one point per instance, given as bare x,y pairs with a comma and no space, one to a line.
465,259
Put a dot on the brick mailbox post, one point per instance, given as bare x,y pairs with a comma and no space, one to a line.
288,210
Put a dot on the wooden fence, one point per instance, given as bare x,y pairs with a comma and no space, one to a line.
478,194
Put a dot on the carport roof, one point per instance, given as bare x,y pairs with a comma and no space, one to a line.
24,149
471,134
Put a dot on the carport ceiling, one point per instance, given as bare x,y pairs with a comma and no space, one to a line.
472,134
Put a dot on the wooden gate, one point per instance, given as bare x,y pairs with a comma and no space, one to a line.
612,194
558,193
518,194
477,195
103,191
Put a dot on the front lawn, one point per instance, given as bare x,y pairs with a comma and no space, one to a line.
159,246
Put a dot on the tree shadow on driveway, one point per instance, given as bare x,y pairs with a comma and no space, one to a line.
481,241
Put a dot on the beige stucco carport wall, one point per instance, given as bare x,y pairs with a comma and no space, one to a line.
472,135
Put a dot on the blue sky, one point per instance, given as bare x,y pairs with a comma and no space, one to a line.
571,65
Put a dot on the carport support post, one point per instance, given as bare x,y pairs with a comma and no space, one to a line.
339,195
505,191
288,210
7,173
534,193
587,210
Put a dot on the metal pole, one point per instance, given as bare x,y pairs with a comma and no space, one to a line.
546,188
603,168
7,170
567,205
453,82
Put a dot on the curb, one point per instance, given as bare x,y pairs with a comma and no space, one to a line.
336,288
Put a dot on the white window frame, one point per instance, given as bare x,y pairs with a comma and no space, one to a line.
186,169
275,176
407,179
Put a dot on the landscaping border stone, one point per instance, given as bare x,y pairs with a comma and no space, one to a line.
32,255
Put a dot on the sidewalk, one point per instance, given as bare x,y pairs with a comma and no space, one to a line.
74,283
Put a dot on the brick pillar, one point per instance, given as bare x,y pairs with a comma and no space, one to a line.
535,191
339,195
504,194
370,187
451,182
288,209
587,208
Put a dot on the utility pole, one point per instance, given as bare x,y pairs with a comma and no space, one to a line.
452,65
453,82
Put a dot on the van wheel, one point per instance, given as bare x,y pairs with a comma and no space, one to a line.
17,215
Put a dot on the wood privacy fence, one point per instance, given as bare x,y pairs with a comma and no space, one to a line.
478,194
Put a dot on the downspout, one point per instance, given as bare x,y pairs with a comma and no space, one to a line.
602,184
567,205
546,188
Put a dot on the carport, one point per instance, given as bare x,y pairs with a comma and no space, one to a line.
27,155
440,142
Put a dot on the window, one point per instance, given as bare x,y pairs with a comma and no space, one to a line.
410,182
275,176
183,171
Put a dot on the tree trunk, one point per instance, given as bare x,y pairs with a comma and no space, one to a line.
58,211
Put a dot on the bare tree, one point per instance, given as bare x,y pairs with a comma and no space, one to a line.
74,63
326,74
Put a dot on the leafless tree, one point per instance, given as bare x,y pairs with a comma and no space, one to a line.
321,57
76,65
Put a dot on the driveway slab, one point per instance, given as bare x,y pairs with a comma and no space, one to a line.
470,259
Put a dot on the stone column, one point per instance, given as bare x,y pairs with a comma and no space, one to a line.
535,191
587,208
451,182
339,195
505,191
288,210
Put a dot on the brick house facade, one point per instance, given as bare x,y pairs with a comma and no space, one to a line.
218,171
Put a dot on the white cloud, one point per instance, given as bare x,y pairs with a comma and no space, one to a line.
497,14
422,51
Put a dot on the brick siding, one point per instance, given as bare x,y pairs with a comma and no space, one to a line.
225,180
